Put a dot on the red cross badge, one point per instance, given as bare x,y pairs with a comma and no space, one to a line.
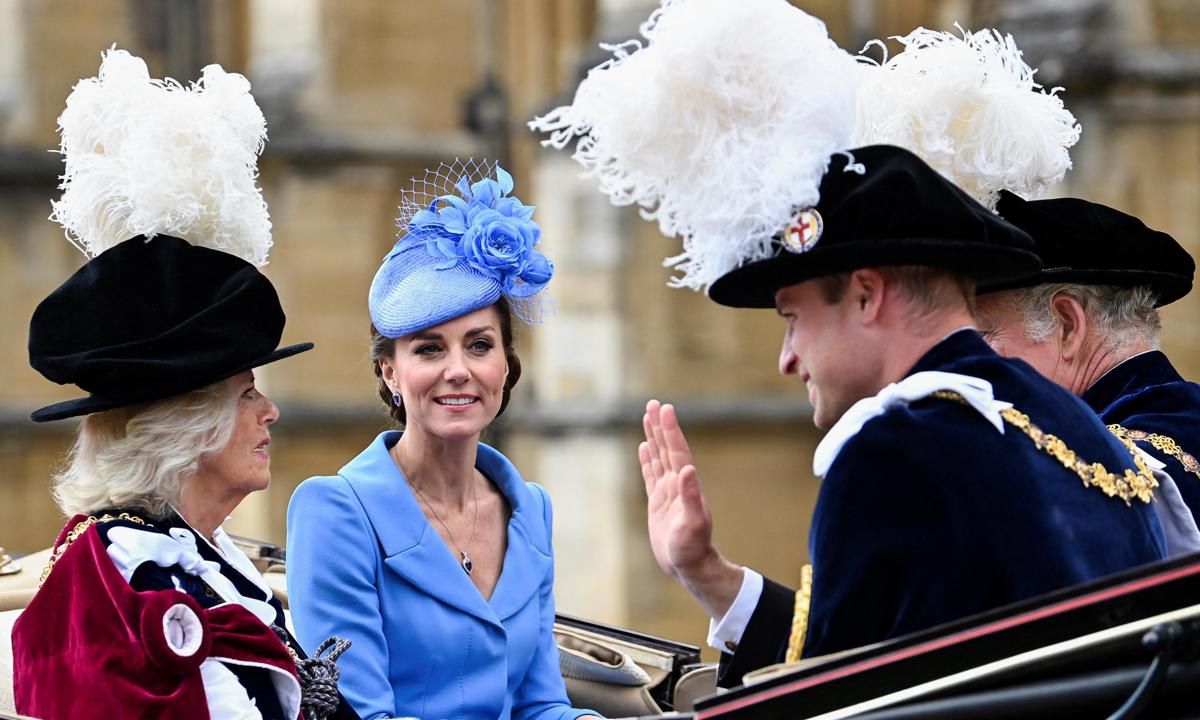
803,231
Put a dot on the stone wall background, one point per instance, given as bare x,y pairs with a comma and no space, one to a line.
361,95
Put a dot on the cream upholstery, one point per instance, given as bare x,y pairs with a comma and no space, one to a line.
695,684
276,579
15,593
15,599
7,618
31,572
598,675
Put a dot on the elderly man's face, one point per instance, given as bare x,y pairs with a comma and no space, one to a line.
1003,327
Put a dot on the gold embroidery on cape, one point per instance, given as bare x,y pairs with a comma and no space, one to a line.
1161,443
1127,486
79,530
800,616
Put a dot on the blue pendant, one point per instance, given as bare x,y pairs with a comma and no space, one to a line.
466,563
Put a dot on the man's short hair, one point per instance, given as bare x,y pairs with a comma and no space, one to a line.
1122,315
928,288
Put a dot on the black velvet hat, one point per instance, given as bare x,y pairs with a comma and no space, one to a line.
150,319
1091,244
897,211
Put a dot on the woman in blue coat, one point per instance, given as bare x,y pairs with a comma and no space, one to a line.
428,550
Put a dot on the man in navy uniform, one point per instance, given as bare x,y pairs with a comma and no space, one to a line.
1090,323
955,481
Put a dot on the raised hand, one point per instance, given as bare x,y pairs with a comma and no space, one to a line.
678,518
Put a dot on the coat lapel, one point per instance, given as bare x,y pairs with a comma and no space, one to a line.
411,548
527,559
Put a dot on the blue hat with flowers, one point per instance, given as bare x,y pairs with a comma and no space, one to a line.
464,242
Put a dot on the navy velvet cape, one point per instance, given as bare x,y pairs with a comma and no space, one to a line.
929,515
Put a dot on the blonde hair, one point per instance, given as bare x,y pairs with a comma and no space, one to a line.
138,457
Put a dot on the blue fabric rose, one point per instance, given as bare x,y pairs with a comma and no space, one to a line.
498,245
535,276
487,229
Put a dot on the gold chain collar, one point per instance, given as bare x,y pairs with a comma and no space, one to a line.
79,530
1162,443
1126,486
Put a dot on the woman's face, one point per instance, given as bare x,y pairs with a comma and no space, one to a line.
244,464
451,376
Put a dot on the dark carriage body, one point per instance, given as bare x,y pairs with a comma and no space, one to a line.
1077,653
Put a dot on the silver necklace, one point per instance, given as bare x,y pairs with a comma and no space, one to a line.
465,559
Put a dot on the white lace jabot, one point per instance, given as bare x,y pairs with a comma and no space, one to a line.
975,391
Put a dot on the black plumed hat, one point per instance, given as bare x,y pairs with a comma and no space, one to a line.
883,206
150,319
1092,244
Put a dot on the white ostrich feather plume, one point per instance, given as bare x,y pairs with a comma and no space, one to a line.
147,157
720,126
968,105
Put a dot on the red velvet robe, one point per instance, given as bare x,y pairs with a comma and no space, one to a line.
89,645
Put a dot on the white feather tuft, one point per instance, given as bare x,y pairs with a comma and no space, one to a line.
970,108
147,157
719,127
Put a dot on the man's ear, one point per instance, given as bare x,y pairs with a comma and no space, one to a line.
866,292
1072,325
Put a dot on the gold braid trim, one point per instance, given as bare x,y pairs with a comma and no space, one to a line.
1129,485
79,530
800,616
1162,443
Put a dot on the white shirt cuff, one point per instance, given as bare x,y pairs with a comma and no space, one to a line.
726,633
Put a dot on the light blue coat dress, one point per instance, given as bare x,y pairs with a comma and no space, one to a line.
364,563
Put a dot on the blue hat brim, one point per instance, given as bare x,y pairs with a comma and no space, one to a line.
406,300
